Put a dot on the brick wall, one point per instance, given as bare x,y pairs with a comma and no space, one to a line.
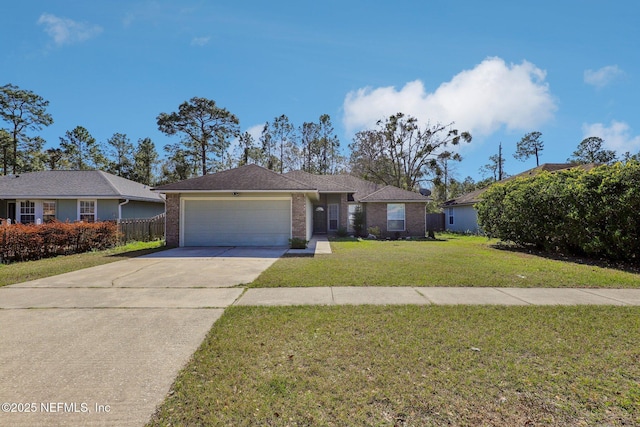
343,216
415,217
414,214
298,216
172,231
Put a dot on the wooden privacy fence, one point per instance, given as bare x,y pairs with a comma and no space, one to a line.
142,230
435,222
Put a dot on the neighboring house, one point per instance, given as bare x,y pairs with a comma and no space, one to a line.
89,196
254,206
460,213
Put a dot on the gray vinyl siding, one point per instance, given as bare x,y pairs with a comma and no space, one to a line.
67,210
107,210
465,219
135,209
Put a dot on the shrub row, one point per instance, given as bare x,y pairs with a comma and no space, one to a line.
23,242
594,213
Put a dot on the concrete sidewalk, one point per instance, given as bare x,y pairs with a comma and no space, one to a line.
438,295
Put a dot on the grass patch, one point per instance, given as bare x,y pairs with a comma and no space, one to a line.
30,270
412,365
451,261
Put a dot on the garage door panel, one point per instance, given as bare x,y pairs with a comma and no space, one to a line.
237,222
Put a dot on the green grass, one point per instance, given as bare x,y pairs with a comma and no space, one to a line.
452,261
30,270
413,366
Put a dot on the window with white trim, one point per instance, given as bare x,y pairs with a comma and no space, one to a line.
450,216
48,210
87,210
395,217
27,212
333,216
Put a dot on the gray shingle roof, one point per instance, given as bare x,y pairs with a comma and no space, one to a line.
257,178
244,178
390,193
323,183
74,184
364,191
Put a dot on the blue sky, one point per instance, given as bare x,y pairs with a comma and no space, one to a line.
499,69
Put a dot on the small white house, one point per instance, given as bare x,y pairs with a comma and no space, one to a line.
460,214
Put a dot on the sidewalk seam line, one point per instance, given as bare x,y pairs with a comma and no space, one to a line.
423,295
513,296
586,291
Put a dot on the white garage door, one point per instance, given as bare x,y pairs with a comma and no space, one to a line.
237,222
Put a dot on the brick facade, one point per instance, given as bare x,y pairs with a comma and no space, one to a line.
415,217
414,214
298,216
172,225
343,216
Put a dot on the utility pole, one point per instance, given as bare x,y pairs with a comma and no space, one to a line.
500,162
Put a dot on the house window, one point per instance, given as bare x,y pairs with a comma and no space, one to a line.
27,212
395,217
48,211
450,216
87,210
333,217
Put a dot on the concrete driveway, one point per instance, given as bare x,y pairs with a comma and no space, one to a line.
102,346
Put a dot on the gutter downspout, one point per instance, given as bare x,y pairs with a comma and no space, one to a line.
120,205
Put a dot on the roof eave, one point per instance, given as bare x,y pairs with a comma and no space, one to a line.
232,190
79,196
396,201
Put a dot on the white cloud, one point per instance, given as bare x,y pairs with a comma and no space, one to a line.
200,41
480,100
255,131
67,31
603,76
616,137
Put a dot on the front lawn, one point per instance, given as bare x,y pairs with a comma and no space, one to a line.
452,261
30,270
413,366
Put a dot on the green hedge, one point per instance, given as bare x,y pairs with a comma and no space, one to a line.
594,213
24,242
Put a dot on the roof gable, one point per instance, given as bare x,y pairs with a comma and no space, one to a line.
364,191
323,183
245,178
390,193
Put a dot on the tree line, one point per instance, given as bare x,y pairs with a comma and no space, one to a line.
205,133
397,151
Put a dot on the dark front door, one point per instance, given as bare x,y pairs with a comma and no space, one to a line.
11,211
319,220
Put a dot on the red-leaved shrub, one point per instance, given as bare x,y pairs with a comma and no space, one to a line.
24,242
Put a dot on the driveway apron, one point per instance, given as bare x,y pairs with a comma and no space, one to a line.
102,346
